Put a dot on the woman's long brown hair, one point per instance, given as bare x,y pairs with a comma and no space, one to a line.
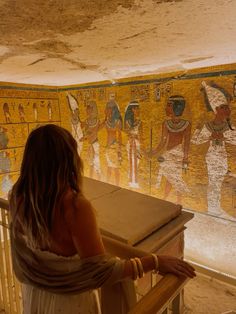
49,167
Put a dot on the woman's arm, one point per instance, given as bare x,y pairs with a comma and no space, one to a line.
82,224
86,236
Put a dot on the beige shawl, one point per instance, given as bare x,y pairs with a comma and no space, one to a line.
103,271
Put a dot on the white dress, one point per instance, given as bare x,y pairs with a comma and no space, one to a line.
36,301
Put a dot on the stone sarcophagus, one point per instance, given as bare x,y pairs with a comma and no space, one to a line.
145,222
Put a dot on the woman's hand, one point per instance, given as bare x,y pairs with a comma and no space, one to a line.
170,264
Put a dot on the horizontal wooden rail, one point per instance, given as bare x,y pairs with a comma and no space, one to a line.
162,294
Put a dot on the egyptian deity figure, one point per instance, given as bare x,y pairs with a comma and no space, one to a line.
35,110
75,121
5,161
133,128
49,107
90,128
6,185
3,138
216,133
21,113
7,113
113,125
173,148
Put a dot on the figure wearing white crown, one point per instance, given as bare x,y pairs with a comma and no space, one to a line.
91,126
217,132
75,121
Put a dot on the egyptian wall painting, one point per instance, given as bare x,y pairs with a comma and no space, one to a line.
172,138
20,112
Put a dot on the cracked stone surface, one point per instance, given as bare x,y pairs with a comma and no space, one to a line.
58,42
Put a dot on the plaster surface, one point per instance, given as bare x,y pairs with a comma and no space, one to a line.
205,295
210,241
77,41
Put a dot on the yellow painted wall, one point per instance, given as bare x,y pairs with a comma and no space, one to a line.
152,115
17,119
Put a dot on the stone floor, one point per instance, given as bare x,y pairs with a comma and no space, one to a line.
204,295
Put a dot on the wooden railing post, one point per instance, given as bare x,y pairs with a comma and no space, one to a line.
10,288
160,296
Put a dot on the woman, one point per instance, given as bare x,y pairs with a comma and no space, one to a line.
60,270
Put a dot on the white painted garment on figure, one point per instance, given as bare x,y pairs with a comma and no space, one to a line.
217,164
134,155
171,167
77,133
94,156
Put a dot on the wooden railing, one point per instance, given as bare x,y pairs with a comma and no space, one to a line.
10,289
157,300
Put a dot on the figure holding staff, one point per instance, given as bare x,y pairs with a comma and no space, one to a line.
113,125
133,127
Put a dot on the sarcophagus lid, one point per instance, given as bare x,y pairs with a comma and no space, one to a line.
127,215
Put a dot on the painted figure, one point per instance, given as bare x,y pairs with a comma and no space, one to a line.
113,125
90,128
75,121
217,133
6,185
157,93
133,127
234,87
35,109
5,162
7,113
49,107
21,113
173,149
3,138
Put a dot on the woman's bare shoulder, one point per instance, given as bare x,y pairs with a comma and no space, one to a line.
76,207
75,200
82,225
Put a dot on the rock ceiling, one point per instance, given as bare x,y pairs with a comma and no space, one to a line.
62,42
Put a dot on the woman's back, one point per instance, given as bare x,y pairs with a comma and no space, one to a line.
61,255
61,242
